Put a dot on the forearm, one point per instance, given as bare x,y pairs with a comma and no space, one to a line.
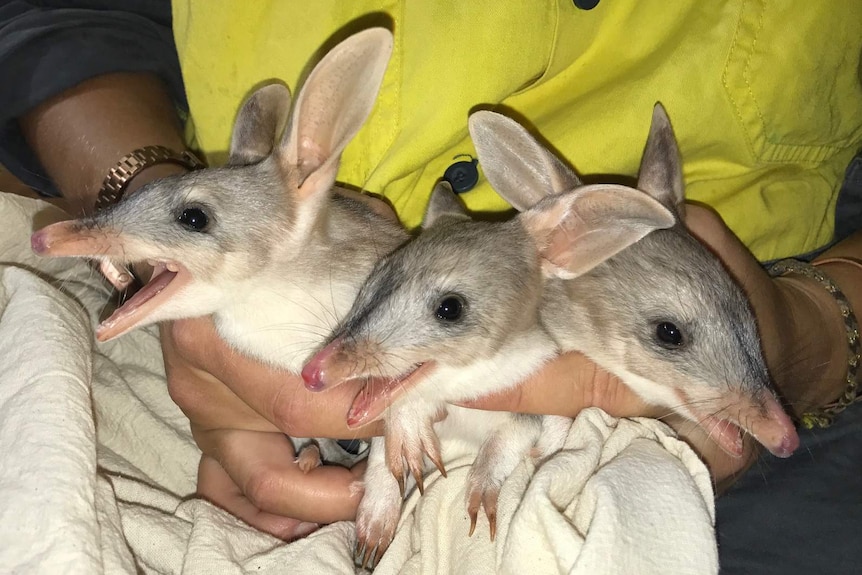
848,277
806,350
83,132
802,330
811,369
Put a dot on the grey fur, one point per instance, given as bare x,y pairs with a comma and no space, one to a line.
284,251
601,297
443,201
666,276
243,218
611,311
398,302
262,119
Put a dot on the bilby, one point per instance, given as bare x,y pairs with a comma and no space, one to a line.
468,307
267,244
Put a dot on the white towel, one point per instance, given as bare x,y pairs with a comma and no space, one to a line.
97,466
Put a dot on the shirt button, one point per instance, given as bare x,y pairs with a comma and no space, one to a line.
462,176
586,4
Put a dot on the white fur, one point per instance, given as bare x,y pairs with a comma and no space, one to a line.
287,333
463,433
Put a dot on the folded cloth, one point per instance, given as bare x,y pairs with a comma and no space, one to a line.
623,496
97,466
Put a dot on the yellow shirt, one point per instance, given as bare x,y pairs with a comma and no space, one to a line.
764,96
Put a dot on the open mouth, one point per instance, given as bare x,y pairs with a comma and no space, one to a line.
168,277
107,246
768,424
726,433
379,393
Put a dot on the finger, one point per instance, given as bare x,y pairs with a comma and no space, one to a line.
205,400
263,466
565,386
216,486
279,396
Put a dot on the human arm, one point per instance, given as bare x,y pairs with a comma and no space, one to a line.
50,46
80,124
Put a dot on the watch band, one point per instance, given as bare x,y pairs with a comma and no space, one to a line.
118,178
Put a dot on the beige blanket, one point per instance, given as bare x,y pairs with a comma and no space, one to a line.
97,466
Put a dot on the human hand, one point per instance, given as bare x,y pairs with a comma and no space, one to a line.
239,411
565,386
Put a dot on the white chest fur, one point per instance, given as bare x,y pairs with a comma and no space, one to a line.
283,322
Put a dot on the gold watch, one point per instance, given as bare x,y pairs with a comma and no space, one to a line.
118,178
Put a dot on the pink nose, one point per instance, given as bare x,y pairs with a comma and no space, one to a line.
777,432
38,243
312,375
317,371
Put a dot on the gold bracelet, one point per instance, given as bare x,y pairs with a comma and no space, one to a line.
824,416
132,164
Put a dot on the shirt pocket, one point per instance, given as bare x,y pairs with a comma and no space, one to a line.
792,77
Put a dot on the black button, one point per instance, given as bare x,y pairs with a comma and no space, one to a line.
462,176
586,4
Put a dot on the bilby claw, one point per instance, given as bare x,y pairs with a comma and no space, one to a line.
375,529
489,504
394,461
358,552
406,446
402,487
431,448
416,469
412,453
368,559
484,496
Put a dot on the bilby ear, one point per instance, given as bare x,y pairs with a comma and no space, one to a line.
331,107
258,125
443,202
576,231
660,172
518,167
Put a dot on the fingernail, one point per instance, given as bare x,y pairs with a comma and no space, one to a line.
305,528
356,417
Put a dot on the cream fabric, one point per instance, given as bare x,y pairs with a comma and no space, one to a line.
97,466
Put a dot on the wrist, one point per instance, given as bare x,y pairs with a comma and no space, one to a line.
83,132
810,371
152,173
118,179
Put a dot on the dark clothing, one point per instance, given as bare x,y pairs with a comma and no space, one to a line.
49,46
798,515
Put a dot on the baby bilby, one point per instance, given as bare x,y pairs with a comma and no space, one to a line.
267,244
469,307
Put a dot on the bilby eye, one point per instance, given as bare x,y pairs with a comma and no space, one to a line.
194,219
668,335
450,308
